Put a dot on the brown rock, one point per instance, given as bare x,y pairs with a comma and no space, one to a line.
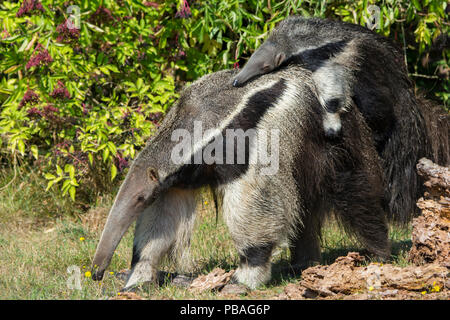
294,292
234,290
215,280
431,230
335,278
431,235
345,277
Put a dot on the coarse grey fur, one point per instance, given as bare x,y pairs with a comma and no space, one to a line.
331,49
315,177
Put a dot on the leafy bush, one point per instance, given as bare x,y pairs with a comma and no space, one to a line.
80,102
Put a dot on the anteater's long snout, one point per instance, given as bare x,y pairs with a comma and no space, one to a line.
118,222
125,210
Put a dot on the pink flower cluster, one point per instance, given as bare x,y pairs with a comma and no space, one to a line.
185,11
50,112
86,108
62,145
121,163
60,92
151,4
126,115
66,33
155,117
29,7
40,56
30,97
34,111
102,15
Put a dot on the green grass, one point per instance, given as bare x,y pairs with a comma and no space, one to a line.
40,238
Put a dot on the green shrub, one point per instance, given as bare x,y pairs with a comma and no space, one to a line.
80,103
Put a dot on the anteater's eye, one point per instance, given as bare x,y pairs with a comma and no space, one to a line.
140,198
152,175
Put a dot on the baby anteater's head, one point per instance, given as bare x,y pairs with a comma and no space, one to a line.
265,59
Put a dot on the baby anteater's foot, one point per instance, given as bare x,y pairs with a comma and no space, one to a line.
332,125
331,120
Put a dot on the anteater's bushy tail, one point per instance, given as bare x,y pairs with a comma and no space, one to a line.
421,130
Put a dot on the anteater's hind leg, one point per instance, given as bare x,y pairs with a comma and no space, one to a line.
164,227
305,247
358,204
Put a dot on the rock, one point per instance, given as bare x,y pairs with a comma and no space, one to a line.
335,278
388,293
437,176
182,281
215,280
431,230
234,289
294,292
346,277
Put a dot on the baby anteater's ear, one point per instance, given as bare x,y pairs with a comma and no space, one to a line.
279,58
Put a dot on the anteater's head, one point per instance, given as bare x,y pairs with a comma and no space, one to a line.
265,59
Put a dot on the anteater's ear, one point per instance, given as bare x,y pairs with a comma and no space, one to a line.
279,58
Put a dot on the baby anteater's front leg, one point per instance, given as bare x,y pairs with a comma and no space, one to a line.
333,87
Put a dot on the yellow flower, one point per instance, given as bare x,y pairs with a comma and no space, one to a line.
424,292
84,267
118,293
111,272
436,288
82,239
206,202
370,288
87,274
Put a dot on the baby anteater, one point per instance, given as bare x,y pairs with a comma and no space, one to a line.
333,50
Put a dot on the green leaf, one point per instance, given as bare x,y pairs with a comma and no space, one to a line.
23,46
49,176
34,151
417,4
113,172
112,147
105,154
72,192
95,28
49,185
113,68
21,147
70,169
